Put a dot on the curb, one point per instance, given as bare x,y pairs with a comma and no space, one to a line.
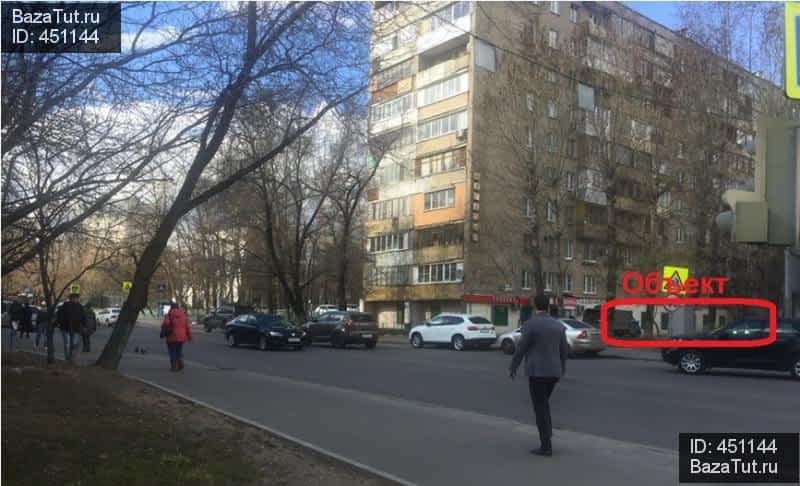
300,442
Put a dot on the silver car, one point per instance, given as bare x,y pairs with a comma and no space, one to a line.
581,337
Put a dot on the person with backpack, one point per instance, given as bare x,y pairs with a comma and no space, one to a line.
176,330
71,318
89,327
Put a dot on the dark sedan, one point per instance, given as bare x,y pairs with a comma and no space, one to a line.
265,331
341,328
782,355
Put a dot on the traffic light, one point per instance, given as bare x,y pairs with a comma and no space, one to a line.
769,214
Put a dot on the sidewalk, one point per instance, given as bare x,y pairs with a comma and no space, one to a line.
422,443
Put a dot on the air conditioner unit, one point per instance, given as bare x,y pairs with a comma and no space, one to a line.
461,134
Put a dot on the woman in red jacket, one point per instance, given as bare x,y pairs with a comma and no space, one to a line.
177,331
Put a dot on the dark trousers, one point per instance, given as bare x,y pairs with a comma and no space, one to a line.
86,342
541,388
175,351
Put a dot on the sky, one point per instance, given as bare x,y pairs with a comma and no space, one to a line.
665,13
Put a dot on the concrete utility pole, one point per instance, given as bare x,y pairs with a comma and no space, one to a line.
770,215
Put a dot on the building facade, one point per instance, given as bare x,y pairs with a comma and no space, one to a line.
543,147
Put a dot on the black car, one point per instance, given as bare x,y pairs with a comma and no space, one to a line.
265,331
341,328
782,355
219,317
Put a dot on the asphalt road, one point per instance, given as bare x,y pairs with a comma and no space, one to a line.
636,401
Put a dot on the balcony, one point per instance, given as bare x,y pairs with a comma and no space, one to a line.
439,253
441,70
444,33
392,258
394,122
392,225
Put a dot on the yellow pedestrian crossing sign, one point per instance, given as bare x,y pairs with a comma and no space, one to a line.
677,278
792,48
126,285
74,289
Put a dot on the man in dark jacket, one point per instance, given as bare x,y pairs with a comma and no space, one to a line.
89,327
544,346
17,314
71,318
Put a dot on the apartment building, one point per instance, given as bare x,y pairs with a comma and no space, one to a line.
534,146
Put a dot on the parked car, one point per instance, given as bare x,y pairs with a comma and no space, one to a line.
782,355
265,331
324,308
108,316
219,317
341,328
582,337
461,331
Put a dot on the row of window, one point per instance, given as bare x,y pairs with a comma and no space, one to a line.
446,272
392,171
407,34
390,208
451,234
430,94
388,242
442,126
439,272
565,281
445,198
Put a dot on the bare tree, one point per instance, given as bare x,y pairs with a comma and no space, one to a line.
285,52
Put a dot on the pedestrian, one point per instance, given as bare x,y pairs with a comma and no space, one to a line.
42,321
175,328
17,313
89,328
71,318
27,321
544,346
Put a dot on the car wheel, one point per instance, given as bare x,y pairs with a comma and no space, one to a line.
458,342
508,346
692,362
590,354
262,343
795,370
416,341
233,341
337,341
370,344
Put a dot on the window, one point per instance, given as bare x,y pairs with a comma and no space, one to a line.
665,200
529,101
569,249
530,138
573,13
395,138
681,150
442,90
388,242
552,77
589,252
570,181
526,280
528,207
446,235
627,256
386,276
393,74
589,284
550,245
551,211
554,7
439,272
485,55
566,282
449,14
552,143
552,109
586,97
569,215
445,198
572,147
549,278
390,208
395,40
552,39
442,126
594,19
442,162
391,108
393,172
680,234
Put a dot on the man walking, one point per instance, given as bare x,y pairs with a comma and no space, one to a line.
544,346
71,319
89,327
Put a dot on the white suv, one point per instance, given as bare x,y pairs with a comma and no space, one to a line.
458,330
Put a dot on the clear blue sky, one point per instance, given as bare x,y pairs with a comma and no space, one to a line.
665,13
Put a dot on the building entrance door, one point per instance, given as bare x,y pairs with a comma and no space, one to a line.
500,315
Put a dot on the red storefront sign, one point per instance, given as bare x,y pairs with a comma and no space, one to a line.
496,299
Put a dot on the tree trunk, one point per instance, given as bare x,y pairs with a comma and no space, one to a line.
137,298
341,289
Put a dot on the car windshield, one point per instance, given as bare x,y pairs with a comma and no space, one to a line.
578,324
479,320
